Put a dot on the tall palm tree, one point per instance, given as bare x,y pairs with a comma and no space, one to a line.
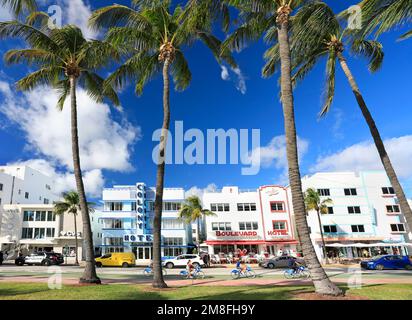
71,205
273,18
379,16
329,41
156,36
313,202
64,61
17,7
192,211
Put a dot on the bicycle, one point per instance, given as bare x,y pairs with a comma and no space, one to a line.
300,273
248,273
148,271
196,274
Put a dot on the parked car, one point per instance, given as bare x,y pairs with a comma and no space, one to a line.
387,262
116,259
181,261
40,258
279,262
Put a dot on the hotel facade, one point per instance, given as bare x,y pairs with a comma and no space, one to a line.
125,223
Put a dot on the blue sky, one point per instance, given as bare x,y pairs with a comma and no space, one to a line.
341,141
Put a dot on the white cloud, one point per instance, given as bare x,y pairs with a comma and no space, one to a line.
240,78
78,12
5,14
274,153
364,156
104,143
196,191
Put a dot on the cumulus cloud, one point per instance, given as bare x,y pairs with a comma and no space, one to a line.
274,153
196,191
240,78
78,12
364,156
104,144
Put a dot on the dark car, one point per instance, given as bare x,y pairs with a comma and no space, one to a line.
40,258
280,262
387,262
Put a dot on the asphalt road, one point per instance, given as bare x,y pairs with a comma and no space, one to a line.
11,269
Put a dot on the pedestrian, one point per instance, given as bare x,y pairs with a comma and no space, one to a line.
189,269
206,260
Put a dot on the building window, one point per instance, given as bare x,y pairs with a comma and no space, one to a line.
40,215
248,225
358,228
26,195
393,209
324,192
0,200
330,210
27,233
279,225
115,241
171,206
150,206
28,216
246,207
1,187
113,224
173,241
221,226
48,187
277,206
330,229
134,206
51,216
350,192
388,190
39,233
354,210
173,224
219,207
114,206
46,201
398,227
50,233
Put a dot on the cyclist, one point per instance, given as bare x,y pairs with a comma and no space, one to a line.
189,268
241,266
293,264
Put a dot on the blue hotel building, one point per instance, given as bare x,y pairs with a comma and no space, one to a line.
125,224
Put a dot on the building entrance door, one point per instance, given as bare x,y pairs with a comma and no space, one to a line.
143,253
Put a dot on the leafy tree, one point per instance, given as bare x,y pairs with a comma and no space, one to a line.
64,60
310,43
71,205
156,36
313,202
272,18
192,211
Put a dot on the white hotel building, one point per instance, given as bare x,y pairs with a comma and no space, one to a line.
256,220
125,223
364,216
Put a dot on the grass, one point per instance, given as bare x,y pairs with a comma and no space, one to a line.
40,291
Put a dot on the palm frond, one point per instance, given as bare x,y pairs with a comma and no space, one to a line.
44,76
29,56
373,50
180,72
17,7
330,81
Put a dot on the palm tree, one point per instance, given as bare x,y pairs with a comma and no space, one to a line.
313,202
273,18
328,41
380,16
192,211
17,7
64,60
71,205
156,37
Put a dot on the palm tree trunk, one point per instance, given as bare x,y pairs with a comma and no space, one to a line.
323,238
89,274
75,240
321,281
158,281
386,162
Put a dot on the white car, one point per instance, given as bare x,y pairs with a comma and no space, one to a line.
181,261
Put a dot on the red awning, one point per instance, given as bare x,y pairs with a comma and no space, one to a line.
213,242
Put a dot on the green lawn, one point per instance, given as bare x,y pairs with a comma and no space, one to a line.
40,291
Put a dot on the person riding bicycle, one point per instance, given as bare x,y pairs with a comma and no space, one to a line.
189,268
294,264
241,266
151,264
